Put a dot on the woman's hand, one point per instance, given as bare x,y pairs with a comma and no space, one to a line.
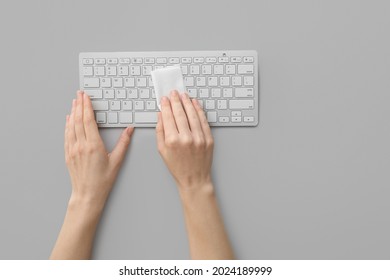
92,169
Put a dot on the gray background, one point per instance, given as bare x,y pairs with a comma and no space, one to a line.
310,182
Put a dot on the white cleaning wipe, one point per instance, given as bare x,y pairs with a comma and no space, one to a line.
167,79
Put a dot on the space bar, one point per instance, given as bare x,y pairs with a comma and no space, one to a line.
145,117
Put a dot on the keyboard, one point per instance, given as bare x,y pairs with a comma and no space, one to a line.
122,94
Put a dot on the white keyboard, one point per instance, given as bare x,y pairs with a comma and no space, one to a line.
122,93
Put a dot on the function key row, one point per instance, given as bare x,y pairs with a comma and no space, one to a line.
165,60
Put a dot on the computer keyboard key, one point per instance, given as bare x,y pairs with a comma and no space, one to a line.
99,70
124,60
105,82
112,61
144,93
115,105
227,92
194,69
87,61
236,113
245,69
210,104
244,92
174,60
248,59
151,105
112,117
125,117
139,105
211,59
236,81
218,69
127,105
206,69
117,82
241,104
161,60
132,93
186,60
222,104
212,81
123,70
137,60
223,59
146,69
212,116
94,93
91,82
248,80
141,82
216,92
192,92
249,119
111,70
230,69
224,119
100,61
109,94
201,81
189,81
235,59
129,82
99,105
236,119
88,71
149,60
120,93
224,81
203,93
101,117
135,70
145,117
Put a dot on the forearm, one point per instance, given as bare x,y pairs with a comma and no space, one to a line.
78,231
206,232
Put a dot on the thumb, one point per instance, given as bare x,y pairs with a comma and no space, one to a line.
119,152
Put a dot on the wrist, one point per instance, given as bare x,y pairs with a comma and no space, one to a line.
196,193
85,205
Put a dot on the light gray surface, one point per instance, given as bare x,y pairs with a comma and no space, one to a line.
310,182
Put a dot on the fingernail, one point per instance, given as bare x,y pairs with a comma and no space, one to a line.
174,93
164,100
184,95
129,130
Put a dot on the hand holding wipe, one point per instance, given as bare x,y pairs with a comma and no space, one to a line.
167,79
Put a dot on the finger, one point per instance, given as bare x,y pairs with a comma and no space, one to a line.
193,118
160,133
66,136
90,126
203,121
78,119
119,152
179,113
71,131
167,118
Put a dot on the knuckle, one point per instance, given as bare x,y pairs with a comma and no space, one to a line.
199,143
171,141
210,143
187,140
